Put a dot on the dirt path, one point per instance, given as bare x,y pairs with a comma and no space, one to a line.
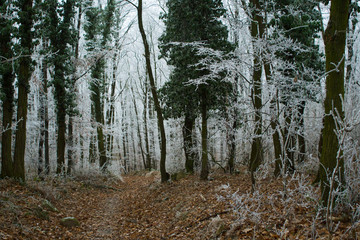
140,207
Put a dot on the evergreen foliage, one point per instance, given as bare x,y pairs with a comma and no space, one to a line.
191,25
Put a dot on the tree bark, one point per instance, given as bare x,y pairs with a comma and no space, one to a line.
300,135
188,129
276,135
257,31
204,148
26,23
164,175
8,109
335,41
7,99
289,139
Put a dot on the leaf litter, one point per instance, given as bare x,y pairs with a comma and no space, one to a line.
140,207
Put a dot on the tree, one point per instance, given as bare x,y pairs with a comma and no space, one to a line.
7,89
61,38
335,41
257,29
164,175
97,85
195,25
300,22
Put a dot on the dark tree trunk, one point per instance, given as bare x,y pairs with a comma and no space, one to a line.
46,129
204,134
96,96
232,144
276,135
164,175
111,111
146,132
60,168
300,135
7,100
335,41
8,109
188,128
257,31
139,132
70,146
289,139
24,76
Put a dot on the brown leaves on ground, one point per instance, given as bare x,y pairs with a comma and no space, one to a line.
140,207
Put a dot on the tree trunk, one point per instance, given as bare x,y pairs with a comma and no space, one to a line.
139,132
42,128
188,143
98,112
71,116
164,175
257,31
8,89
276,136
46,129
92,149
70,146
289,140
300,135
111,111
60,168
146,132
7,100
204,148
24,76
232,143
335,41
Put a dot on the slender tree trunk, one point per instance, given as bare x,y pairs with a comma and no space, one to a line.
70,146
60,168
98,113
139,132
232,144
335,41
276,135
124,129
24,76
46,125
164,175
204,134
42,133
257,31
146,132
92,149
188,129
8,109
92,145
71,116
300,135
289,140
7,102
111,111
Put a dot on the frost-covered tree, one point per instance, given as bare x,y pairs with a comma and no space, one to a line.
60,33
335,42
190,26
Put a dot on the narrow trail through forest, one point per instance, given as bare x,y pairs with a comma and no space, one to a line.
140,207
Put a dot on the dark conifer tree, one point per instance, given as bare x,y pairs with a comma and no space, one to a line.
7,88
190,22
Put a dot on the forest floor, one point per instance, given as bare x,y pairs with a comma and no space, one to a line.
138,206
